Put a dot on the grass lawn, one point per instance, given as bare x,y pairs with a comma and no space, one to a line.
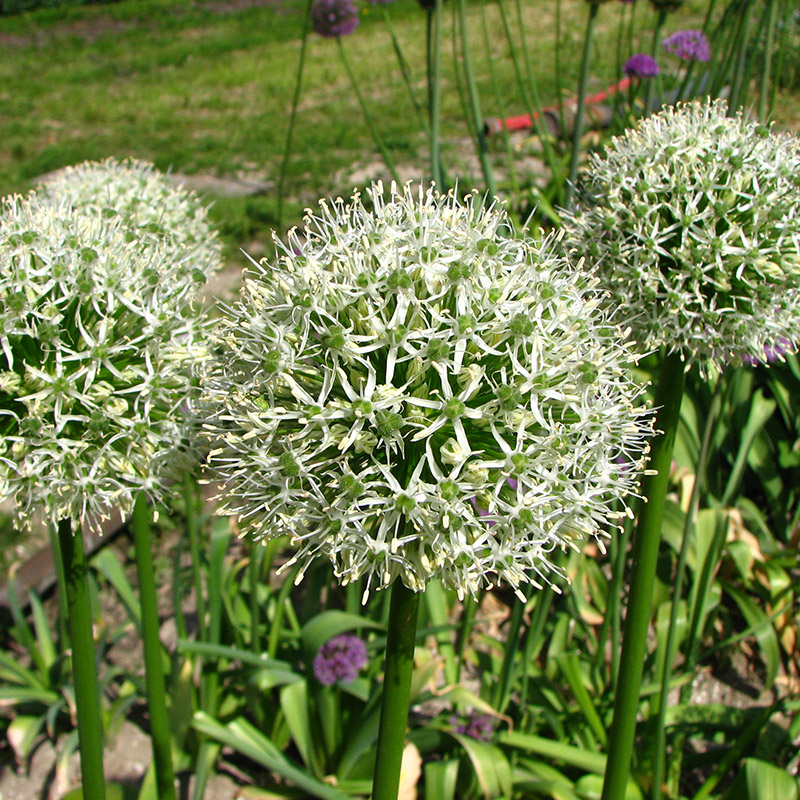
200,86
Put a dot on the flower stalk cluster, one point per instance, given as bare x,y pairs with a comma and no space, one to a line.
694,218
413,390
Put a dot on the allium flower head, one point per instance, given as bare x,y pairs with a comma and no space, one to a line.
332,18
146,201
340,659
694,217
377,387
98,333
641,65
688,45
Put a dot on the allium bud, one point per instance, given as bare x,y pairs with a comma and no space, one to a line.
688,45
694,219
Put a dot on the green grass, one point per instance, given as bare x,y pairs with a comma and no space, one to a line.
201,87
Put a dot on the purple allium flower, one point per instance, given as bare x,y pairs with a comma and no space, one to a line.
478,726
641,65
340,659
689,45
331,18
772,352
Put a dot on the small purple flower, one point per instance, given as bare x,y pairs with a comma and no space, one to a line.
689,45
340,659
772,352
478,726
641,65
331,18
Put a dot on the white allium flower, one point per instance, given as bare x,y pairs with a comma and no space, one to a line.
416,391
147,201
98,334
694,218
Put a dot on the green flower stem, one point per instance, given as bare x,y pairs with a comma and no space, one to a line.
435,90
153,664
655,83
376,137
475,105
583,80
659,746
738,85
647,537
287,149
769,45
84,669
396,691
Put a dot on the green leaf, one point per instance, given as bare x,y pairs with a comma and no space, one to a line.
108,565
280,671
490,764
441,778
760,780
44,638
435,599
294,703
250,742
763,630
22,733
590,787
558,751
570,668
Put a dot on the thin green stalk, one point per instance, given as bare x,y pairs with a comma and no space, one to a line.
660,743
471,605
652,85
153,664
583,81
281,602
376,137
404,70
738,83
287,148
61,583
193,531
84,669
482,146
402,629
647,537
505,682
769,44
253,580
434,29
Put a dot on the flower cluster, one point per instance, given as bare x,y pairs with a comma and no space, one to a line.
688,45
694,217
388,375
340,659
146,201
98,334
332,18
641,65
478,726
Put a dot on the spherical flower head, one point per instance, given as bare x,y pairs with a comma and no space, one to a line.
332,18
98,337
688,45
641,65
694,218
378,385
147,202
340,659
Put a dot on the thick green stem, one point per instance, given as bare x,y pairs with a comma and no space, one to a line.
153,664
583,80
84,669
659,746
396,691
647,537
